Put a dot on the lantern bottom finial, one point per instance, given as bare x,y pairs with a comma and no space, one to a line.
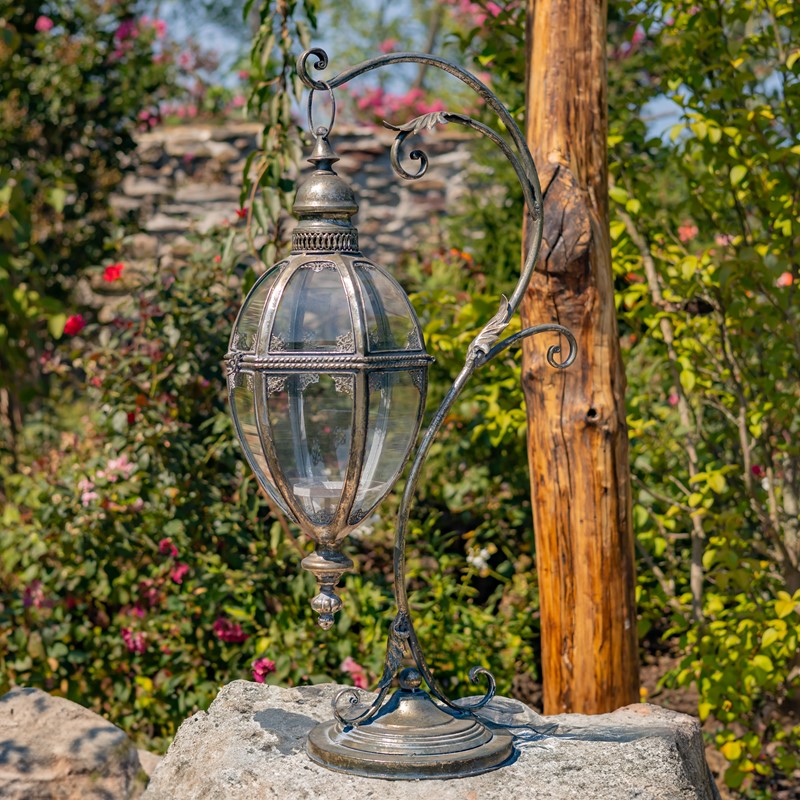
327,566
411,738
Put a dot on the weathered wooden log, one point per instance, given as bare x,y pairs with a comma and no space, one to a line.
577,434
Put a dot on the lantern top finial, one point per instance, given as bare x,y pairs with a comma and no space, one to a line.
324,205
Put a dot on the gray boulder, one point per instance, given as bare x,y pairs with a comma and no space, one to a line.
250,746
54,749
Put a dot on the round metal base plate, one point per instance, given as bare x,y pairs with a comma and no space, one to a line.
411,738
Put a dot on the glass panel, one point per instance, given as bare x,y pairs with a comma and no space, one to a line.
244,420
394,417
311,416
244,331
313,314
391,322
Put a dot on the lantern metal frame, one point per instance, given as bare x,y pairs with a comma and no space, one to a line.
417,733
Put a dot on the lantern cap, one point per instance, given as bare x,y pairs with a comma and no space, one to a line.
324,194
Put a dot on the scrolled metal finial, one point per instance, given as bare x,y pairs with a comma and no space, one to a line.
321,63
552,351
415,126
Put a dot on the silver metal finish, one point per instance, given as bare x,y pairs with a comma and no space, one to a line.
415,733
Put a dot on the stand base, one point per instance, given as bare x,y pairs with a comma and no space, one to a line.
410,738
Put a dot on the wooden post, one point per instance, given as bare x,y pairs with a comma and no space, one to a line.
577,434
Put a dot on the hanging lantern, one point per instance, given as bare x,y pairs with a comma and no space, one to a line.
327,376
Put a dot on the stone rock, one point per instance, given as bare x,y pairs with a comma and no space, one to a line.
207,193
149,761
161,223
134,186
250,746
54,749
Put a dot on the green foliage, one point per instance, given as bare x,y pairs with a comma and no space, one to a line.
704,228
141,568
73,77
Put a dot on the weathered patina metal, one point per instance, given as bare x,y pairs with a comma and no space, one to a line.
414,733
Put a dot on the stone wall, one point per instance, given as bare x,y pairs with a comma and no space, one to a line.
188,179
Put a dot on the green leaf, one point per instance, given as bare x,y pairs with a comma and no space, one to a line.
688,380
784,605
55,324
737,174
717,483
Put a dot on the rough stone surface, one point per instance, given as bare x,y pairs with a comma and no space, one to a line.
250,746
53,749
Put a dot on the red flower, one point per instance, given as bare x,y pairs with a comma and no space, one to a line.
687,232
74,325
261,668
178,573
229,631
756,470
131,417
217,259
241,212
113,272
166,548
785,279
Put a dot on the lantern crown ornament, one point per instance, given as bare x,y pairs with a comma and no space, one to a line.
327,380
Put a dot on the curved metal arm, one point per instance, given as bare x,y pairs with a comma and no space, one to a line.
485,346
522,161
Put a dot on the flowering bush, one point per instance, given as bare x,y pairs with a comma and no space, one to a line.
73,76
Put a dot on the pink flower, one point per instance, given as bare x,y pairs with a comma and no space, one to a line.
387,45
128,29
238,101
160,28
186,60
638,36
43,24
723,239
87,497
113,272
74,325
494,9
785,279
134,641
121,465
34,596
243,75
261,668
687,232
167,548
149,593
178,573
229,631
673,399
137,504
357,673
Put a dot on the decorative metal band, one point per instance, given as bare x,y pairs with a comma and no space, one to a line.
305,241
314,362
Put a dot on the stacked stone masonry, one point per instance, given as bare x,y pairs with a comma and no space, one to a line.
188,179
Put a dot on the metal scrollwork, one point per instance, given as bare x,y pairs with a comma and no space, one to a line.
402,640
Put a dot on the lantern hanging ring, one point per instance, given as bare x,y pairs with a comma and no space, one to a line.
322,130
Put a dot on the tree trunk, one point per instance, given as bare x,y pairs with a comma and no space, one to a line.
577,434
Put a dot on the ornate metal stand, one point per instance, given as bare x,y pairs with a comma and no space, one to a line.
417,733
